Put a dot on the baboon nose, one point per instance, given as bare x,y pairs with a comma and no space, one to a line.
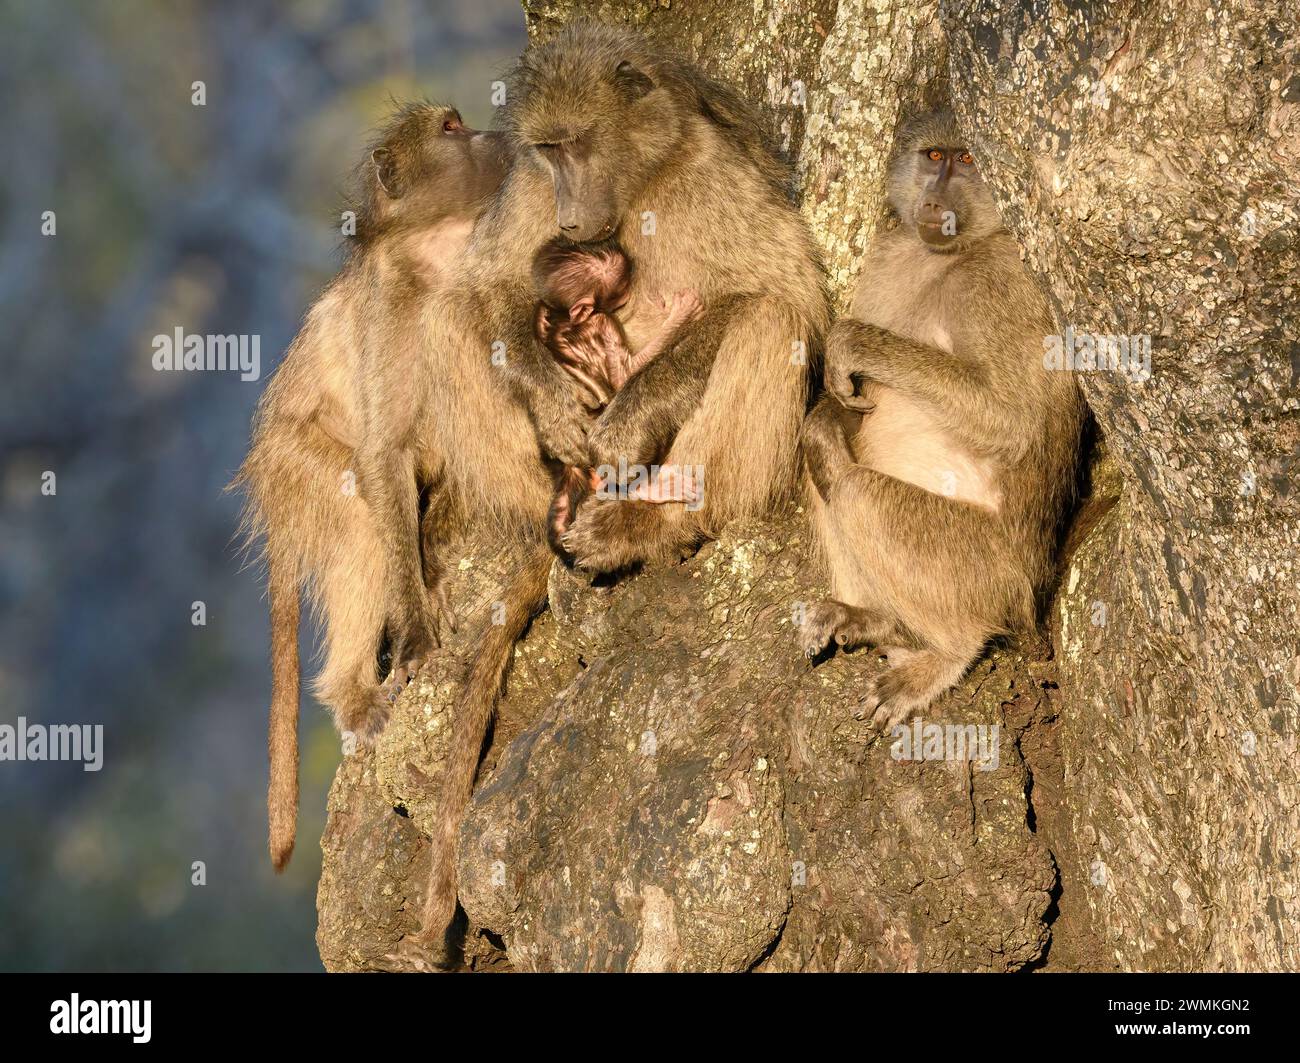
569,228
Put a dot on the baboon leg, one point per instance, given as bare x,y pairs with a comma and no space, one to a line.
435,530
846,625
825,441
354,615
943,571
388,485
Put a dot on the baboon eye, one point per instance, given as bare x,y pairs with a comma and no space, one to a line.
934,155
965,157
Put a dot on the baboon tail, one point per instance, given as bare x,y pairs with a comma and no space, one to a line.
282,740
524,596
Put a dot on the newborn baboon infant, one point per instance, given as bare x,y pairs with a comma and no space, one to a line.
580,288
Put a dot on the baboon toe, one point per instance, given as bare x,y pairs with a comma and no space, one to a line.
405,669
890,700
813,640
881,708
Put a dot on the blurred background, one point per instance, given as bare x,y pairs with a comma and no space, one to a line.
221,218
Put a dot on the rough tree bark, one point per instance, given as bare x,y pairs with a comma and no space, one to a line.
1146,157
671,787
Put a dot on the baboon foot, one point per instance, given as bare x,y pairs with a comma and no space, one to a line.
914,679
366,715
410,652
819,625
608,536
415,955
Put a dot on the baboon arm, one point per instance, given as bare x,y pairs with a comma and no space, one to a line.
825,442
960,392
548,393
663,339
387,484
644,417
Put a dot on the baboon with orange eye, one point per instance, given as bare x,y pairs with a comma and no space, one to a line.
357,359
614,139
580,287
943,455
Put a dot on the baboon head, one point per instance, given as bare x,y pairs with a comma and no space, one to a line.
582,280
602,112
427,164
937,189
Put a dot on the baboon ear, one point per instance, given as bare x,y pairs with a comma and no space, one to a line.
631,81
386,171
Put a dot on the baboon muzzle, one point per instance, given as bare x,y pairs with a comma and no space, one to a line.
583,207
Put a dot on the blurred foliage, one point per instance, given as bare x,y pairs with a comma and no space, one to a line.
218,219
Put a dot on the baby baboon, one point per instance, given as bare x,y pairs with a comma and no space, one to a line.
939,487
615,140
580,287
423,185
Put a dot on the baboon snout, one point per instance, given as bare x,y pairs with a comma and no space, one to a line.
582,226
931,211
936,220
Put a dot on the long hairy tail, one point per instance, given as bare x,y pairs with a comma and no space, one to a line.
282,740
524,596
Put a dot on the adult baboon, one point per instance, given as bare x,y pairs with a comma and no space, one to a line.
615,139
940,485
356,359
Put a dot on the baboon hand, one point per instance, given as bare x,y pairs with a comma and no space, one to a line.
671,483
846,375
819,625
681,307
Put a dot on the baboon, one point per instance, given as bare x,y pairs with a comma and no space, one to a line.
614,139
943,455
353,361
580,287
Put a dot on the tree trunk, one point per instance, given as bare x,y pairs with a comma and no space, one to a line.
672,787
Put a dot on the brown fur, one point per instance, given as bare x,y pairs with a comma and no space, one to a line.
356,356
605,128
938,487
580,288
